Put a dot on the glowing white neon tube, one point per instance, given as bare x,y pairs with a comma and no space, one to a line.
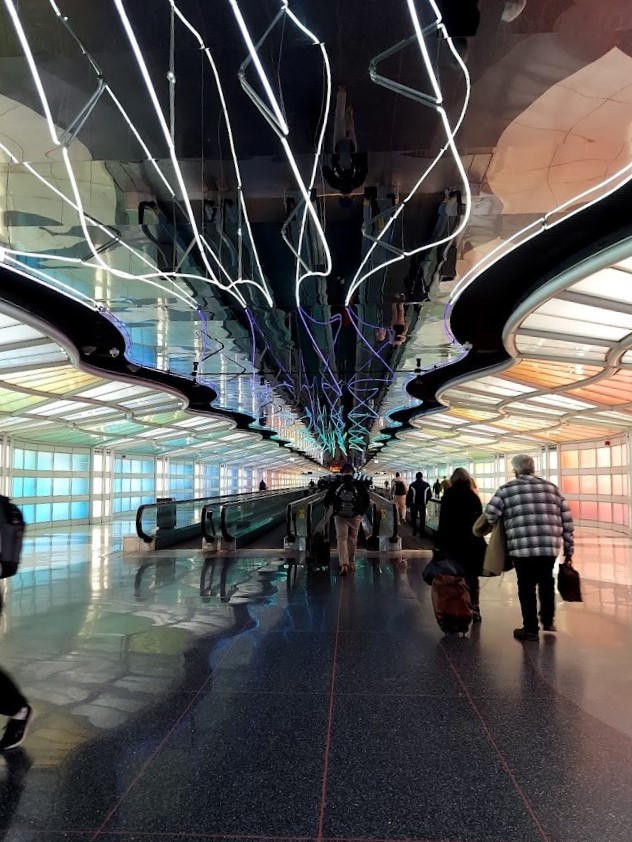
328,264
360,277
78,207
140,61
44,277
147,152
282,129
622,176
262,286
13,14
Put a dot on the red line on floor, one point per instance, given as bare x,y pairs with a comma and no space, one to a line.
496,747
330,719
199,835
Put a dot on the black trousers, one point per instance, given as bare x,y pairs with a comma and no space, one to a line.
536,572
421,512
473,586
11,700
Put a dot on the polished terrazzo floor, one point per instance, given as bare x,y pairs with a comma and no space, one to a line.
232,699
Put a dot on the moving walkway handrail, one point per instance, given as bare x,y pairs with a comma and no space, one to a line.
217,499
206,519
308,502
226,535
382,499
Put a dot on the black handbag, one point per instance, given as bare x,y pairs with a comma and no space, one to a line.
568,583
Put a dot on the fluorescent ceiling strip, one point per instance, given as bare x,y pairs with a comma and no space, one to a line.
360,277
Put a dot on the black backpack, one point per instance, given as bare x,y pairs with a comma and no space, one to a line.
346,500
400,488
11,535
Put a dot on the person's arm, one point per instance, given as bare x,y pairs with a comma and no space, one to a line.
567,530
427,495
495,508
329,497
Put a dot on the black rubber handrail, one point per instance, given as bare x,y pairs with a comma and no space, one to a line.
395,534
226,535
309,501
216,498
290,524
206,519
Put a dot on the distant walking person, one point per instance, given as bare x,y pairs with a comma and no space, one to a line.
14,705
537,521
399,490
417,499
349,500
436,488
445,484
263,486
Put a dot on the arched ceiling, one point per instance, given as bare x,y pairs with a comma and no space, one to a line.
163,172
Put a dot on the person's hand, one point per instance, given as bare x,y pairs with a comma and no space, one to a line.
568,559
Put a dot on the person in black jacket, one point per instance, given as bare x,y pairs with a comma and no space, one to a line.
416,499
349,500
460,507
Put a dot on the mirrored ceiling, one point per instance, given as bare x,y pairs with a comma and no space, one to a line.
262,202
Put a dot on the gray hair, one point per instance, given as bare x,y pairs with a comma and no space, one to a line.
523,464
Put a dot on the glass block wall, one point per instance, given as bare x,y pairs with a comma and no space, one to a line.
134,483
595,481
51,486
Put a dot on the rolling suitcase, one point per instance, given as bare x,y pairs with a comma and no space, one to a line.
451,603
319,553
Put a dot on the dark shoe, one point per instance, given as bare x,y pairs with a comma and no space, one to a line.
476,615
523,634
16,730
550,627
343,570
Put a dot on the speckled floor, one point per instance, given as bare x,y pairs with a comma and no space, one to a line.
232,700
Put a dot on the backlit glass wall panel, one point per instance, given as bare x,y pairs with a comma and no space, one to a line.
134,483
594,480
210,480
181,476
51,486
485,475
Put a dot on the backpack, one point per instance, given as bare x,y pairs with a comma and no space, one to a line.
400,488
346,500
11,535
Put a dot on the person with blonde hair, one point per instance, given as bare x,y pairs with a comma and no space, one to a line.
460,508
